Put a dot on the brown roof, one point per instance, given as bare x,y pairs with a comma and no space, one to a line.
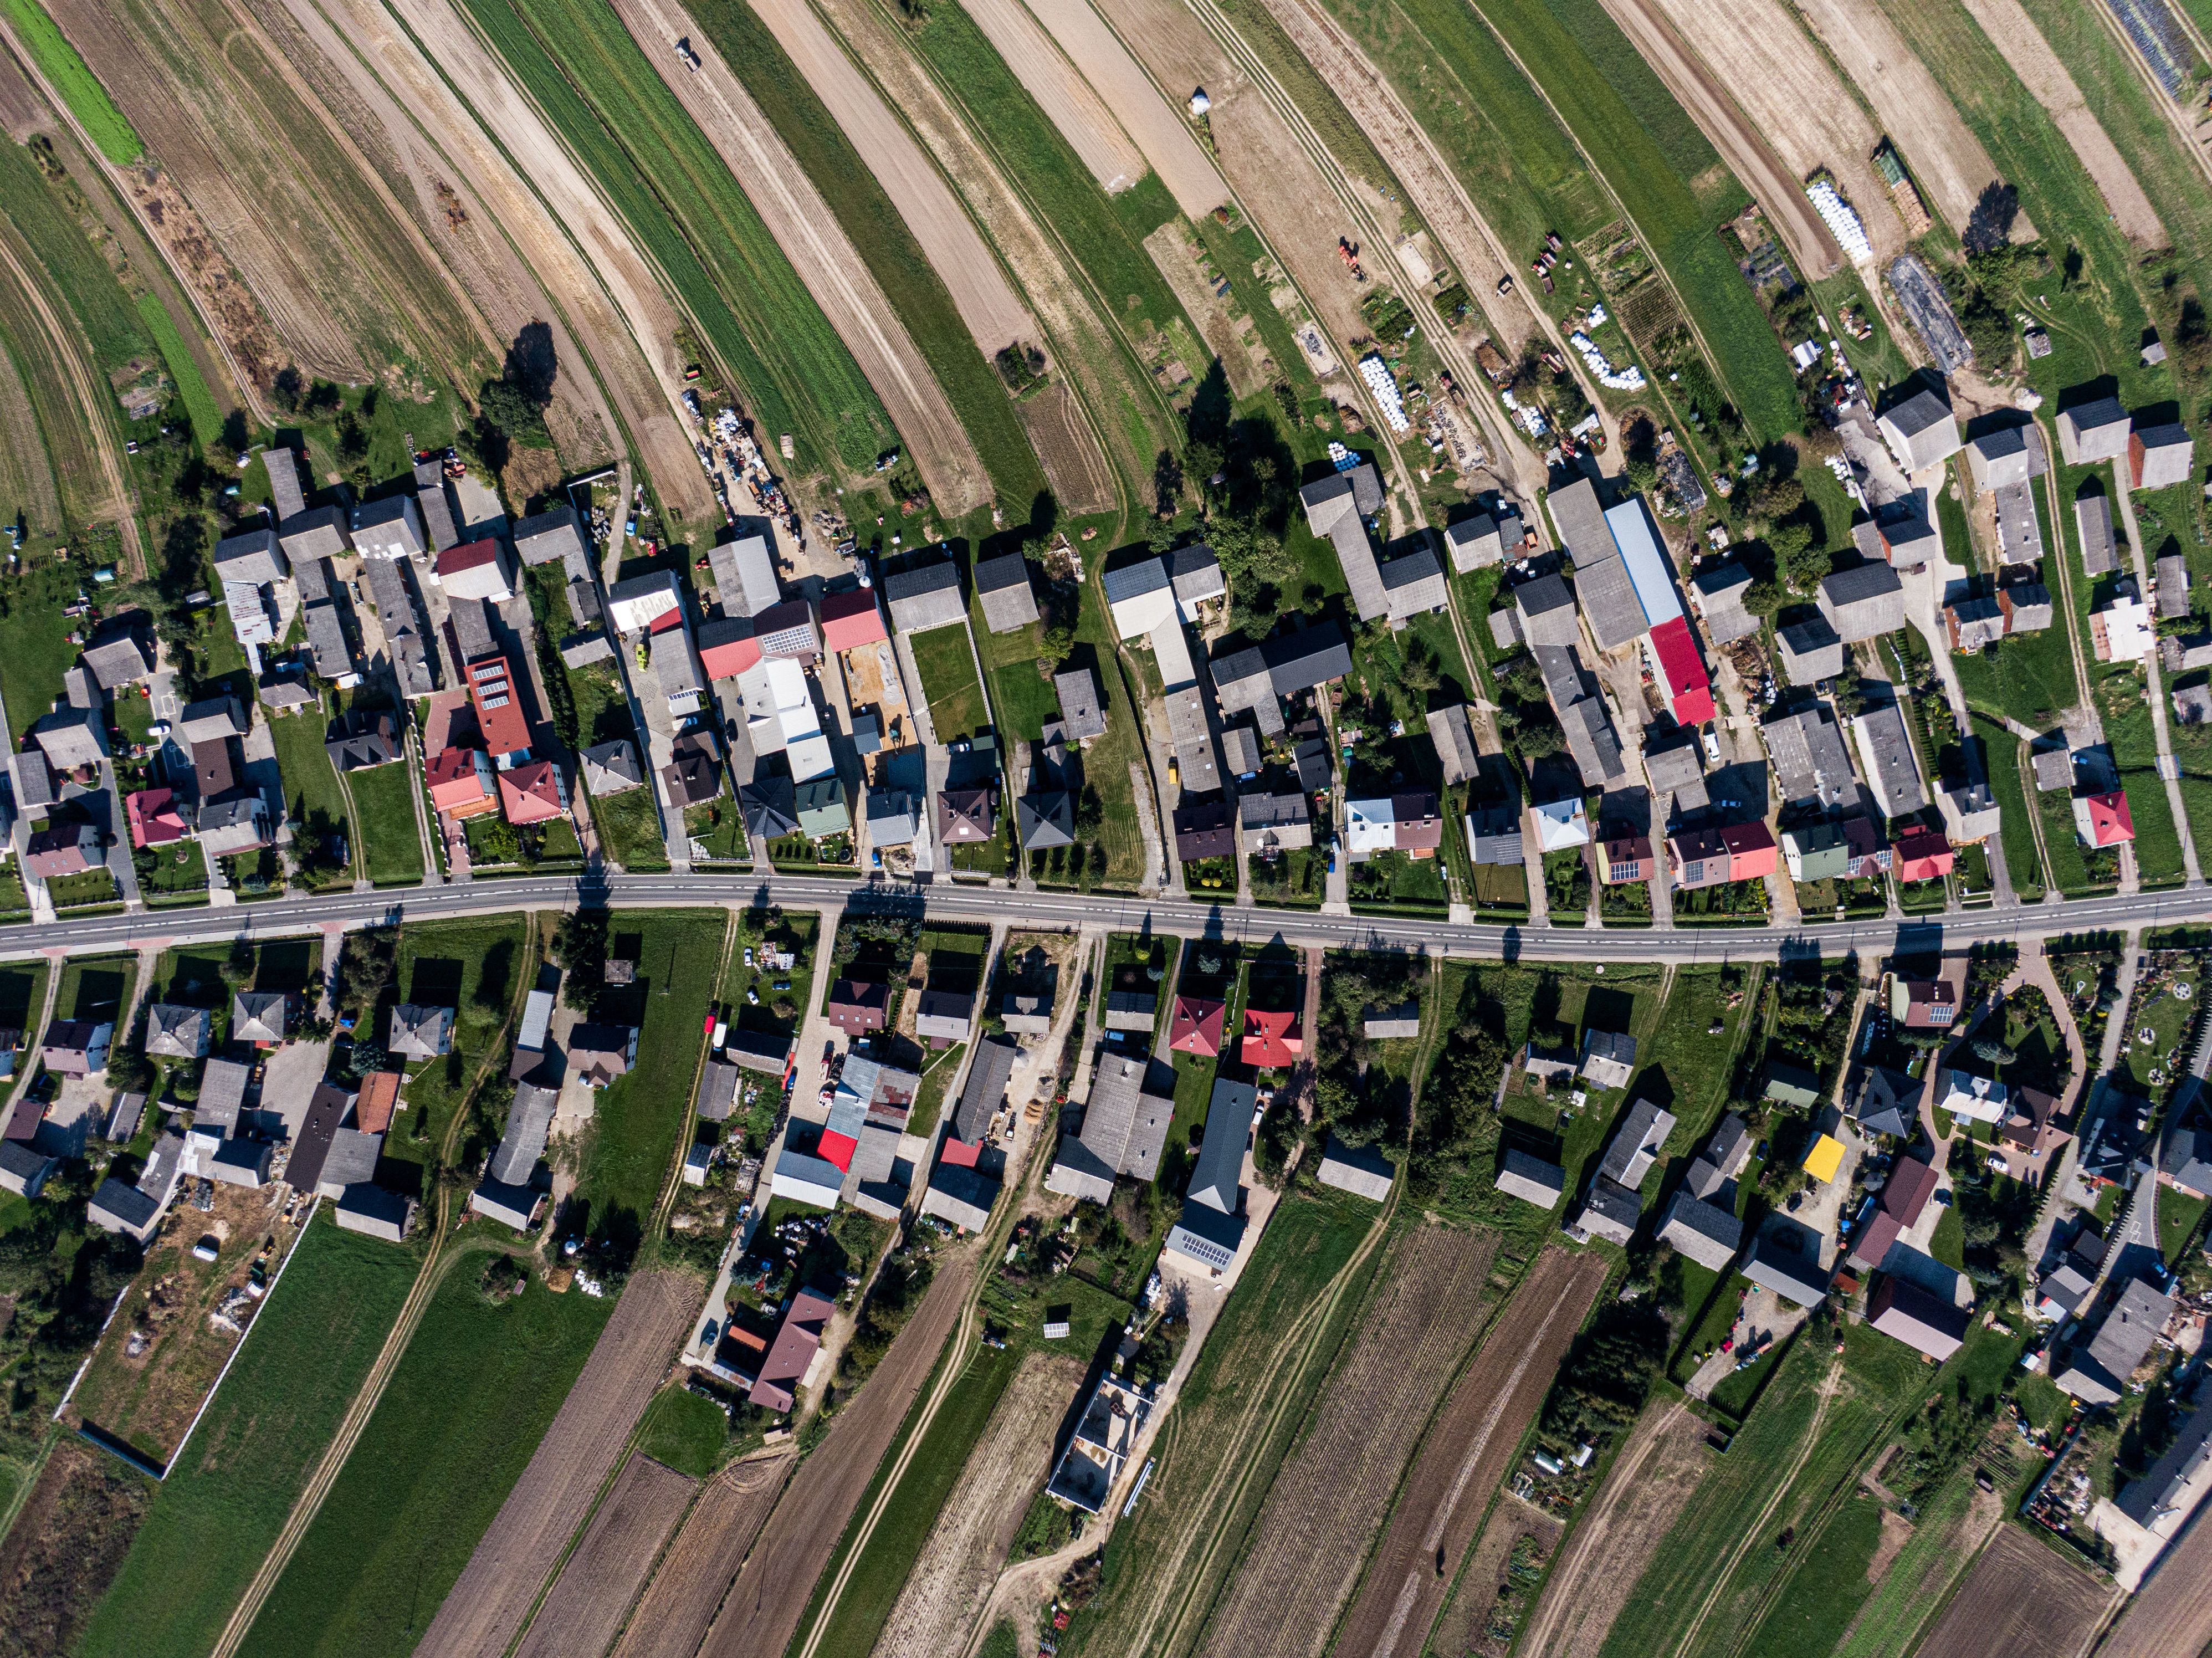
1911,1183
858,1006
379,1098
217,772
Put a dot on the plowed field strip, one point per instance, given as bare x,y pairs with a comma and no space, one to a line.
1161,133
1466,1454
1325,1504
2172,1612
1071,104
680,1601
2022,1600
511,1563
1647,1487
764,1608
586,1604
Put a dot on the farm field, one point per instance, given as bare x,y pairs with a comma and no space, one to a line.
1467,1452
1301,1557
586,1607
466,1408
2170,1611
1644,1492
487,1604
950,1580
2021,1599
70,76
212,1522
69,1536
681,1600
736,285
800,1537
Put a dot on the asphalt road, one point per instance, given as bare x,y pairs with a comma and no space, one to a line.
157,929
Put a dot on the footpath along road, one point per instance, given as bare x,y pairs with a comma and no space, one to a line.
1188,917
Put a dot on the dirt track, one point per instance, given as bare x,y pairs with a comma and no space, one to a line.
624,319
1743,147
1069,101
764,1605
1303,1558
1761,56
1648,1486
2013,32
824,256
587,1601
993,311
952,1579
2022,1600
681,1601
514,1558
1466,1454
1160,132
1945,158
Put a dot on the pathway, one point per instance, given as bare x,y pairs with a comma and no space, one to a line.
2169,772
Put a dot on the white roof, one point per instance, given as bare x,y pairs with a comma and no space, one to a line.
2127,629
1371,825
634,605
1561,825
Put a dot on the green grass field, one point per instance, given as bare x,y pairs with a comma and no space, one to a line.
597,89
949,685
683,1432
200,406
2022,862
214,1518
390,843
311,787
465,1409
629,830
2135,748
916,291
34,648
58,60
469,966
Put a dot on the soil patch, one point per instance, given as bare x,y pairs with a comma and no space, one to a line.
2023,1601
2171,1613
763,1608
1073,464
1159,131
594,1593
682,1599
510,1566
1069,101
1946,159
1467,1455
1333,1490
1896,1532
66,1546
1645,1491
1462,1629
951,1581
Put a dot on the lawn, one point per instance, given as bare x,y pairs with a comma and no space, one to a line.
95,987
2001,749
214,1518
80,88
2134,741
947,667
472,967
717,829
34,648
631,1142
629,830
200,406
1829,1585
679,200
312,798
682,1431
391,841
1392,881
22,1000
1298,879
916,291
84,891
475,1390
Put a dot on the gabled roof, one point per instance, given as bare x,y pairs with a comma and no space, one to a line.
925,597
1081,713
990,1068
770,807
1003,585
1863,602
851,619
1449,730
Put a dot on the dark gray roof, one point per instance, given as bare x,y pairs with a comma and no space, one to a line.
1044,821
1216,1180
1546,608
611,768
1863,602
1003,584
925,597
770,806
528,1120
549,536
1080,710
989,1070
1810,760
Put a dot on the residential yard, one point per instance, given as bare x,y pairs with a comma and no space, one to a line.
34,648
313,800
478,1386
1296,879
84,890
390,843
629,830
213,1521
95,987
947,667
1393,881
177,876
718,826
472,967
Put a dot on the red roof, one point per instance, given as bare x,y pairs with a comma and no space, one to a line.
1689,693
154,819
498,699
672,617
1271,1040
1923,855
1751,851
851,619
730,658
472,555
530,793
1196,1027
1910,1184
2109,819
378,1096
837,1149
457,784
959,1153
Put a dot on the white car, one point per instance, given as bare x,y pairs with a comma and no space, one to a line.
1712,749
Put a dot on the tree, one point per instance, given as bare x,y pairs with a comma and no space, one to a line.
1761,597
1421,672
581,944
1056,645
1993,1051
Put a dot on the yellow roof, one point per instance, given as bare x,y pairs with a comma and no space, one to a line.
1824,1159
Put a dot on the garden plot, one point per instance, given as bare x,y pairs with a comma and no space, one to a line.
586,1605
1946,159
682,1599
1061,92
1081,476
1468,1453
987,304
951,1581
1304,1556
2022,1599
1495,1584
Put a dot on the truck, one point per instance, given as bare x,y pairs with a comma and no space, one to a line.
690,57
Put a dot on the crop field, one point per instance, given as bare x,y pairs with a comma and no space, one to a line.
916,292
1947,1535
681,1600
1468,1451
976,1522
213,1521
1644,1492
631,1143
80,88
591,81
1251,1384
472,967
1798,1452
949,685
1668,178
2022,1599
466,1407
584,1608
